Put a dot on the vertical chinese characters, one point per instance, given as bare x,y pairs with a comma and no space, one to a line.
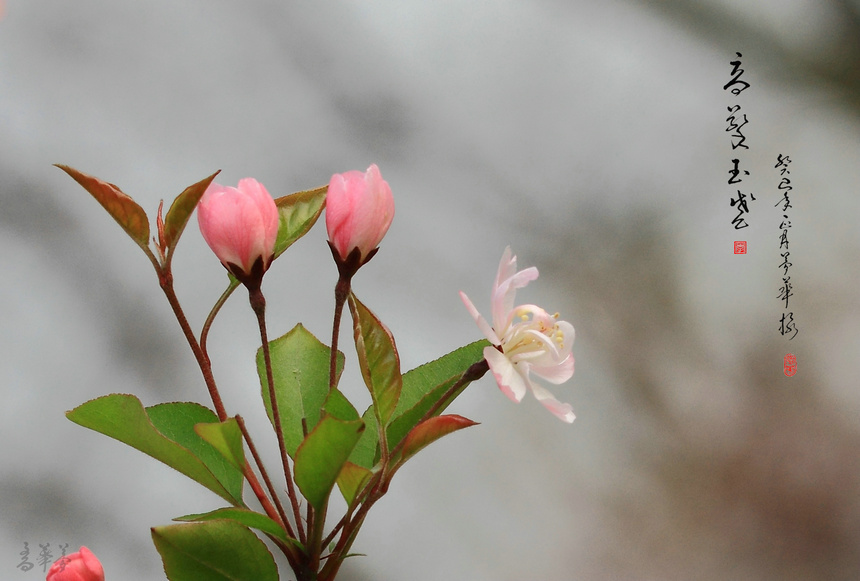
25,564
786,291
736,122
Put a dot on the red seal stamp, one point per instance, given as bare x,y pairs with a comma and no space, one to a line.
740,246
789,365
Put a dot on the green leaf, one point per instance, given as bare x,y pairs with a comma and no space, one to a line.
340,407
226,437
321,456
351,480
298,212
123,418
300,366
427,384
246,517
178,421
366,451
218,550
181,209
428,432
378,359
119,205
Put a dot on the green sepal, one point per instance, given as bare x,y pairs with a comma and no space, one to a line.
246,517
124,418
217,550
122,208
378,359
321,457
300,367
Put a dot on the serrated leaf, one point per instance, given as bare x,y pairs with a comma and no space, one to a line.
226,437
246,517
378,359
181,209
425,385
300,366
119,205
298,213
123,418
351,480
322,455
428,432
218,550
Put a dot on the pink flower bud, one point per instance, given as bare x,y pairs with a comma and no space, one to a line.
359,210
239,224
80,566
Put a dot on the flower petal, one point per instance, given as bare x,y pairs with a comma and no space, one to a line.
558,373
504,294
481,321
510,381
563,411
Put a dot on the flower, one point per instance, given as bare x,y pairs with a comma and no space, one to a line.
359,210
80,566
526,339
240,225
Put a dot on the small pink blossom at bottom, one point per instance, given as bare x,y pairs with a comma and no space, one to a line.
80,566
526,339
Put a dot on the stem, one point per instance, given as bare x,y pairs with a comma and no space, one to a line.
258,304
315,532
165,280
204,333
349,526
259,462
341,292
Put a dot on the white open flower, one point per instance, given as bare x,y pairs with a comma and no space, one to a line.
526,340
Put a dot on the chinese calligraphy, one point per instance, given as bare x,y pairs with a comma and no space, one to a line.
45,557
736,122
786,291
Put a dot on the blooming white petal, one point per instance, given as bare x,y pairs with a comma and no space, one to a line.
526,339
510,381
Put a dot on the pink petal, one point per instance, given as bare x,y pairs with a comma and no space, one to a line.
510,381
481,322
555,373
504,295
563,411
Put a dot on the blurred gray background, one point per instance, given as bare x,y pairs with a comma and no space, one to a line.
589,135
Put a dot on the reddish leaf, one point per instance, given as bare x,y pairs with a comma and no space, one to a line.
181,209
378,359
119,205
429,431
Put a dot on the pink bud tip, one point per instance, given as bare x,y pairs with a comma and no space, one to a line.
359,210
80,566
239,224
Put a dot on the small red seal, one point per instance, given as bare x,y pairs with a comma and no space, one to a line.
740,246
789,365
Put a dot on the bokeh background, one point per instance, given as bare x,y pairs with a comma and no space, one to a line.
589,135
